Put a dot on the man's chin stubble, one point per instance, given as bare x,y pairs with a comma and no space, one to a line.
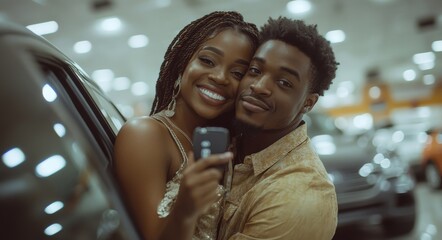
243,127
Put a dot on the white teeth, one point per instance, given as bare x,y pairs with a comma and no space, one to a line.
213,95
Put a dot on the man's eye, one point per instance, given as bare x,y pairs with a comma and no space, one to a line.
285,83
254,70
207,61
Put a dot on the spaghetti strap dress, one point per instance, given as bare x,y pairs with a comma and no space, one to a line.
207,224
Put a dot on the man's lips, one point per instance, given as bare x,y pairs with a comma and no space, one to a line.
254,104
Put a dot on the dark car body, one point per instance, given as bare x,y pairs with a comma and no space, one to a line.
371,186
57,133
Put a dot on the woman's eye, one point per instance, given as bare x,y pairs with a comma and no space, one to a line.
207,61
238,75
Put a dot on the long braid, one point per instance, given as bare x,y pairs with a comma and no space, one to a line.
185,44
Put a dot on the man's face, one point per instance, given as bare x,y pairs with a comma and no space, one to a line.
274,93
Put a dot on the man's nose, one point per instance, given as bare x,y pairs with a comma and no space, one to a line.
262,86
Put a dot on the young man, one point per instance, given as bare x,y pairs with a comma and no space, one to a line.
280,188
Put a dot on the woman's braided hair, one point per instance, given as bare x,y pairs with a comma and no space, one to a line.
186,43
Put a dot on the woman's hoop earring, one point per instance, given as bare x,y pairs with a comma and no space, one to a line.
170,110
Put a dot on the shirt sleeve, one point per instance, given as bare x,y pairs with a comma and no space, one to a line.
285,213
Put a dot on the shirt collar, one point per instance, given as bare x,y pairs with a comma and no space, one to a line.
264,159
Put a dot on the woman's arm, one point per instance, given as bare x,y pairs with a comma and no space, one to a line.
142,160
141,167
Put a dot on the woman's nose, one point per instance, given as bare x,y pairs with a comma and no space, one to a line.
219,77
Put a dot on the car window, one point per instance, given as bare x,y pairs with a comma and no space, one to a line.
99,122
109,111
91,98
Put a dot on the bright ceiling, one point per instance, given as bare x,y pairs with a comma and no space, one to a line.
380,35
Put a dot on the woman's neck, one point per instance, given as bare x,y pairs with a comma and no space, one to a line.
186,119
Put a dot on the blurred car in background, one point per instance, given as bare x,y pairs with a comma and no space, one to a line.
406,140
373,186
57,134
432,158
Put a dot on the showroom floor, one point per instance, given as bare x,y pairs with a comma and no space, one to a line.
428,225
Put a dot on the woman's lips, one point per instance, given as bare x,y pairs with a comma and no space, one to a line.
211,97
212,94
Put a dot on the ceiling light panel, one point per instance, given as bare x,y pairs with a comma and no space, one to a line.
44,27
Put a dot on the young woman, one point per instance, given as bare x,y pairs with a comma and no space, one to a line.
169,195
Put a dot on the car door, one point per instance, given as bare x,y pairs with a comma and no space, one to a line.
55,147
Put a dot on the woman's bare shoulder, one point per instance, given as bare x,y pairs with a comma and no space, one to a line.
142,128
142,136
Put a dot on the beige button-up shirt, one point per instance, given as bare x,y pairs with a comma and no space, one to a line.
281,192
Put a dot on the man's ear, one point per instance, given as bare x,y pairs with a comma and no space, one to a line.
310,102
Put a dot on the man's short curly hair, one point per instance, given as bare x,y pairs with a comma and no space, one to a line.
307,39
